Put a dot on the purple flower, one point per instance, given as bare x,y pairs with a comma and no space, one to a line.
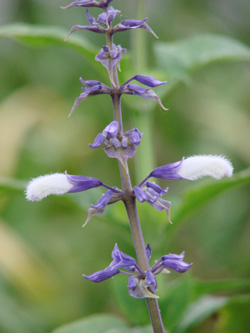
95,24
135,89
140,284
171,261
152,193
133,24
109,58
91,88
118,147
195,167
111,196
60,183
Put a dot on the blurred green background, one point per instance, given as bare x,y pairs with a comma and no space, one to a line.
43,250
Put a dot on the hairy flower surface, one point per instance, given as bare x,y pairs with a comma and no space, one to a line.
140,284
59,183
195,167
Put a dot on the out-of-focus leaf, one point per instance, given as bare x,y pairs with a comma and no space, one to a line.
207,287
178,59
18,261
199,195
24,320
11,184
181,57
94,324
175,298
40,36
234,317
200,310
137,329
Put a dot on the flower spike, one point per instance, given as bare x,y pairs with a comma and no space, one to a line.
140,284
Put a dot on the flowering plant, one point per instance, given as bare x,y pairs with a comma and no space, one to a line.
122,146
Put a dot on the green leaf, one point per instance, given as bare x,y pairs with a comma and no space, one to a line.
179,59
207,287
94,324
200,310
182,57
102,323
41,36
234,317
200,195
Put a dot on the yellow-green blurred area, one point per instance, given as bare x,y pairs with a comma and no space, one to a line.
43,249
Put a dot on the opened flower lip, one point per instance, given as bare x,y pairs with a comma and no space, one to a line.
195,167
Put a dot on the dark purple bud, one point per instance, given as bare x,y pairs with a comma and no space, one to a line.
101,275
148,251
82,183
149,81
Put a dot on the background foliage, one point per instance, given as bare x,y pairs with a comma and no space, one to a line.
204,54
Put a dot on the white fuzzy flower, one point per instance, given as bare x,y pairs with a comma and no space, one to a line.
40,187
195,167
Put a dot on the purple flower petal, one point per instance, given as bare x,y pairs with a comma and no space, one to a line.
101,275
101,203
148,251
102,18
176,265
82,3
156,188
111,130
121,260
133,24
82,183
97,142
168,171
140,194
149,81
